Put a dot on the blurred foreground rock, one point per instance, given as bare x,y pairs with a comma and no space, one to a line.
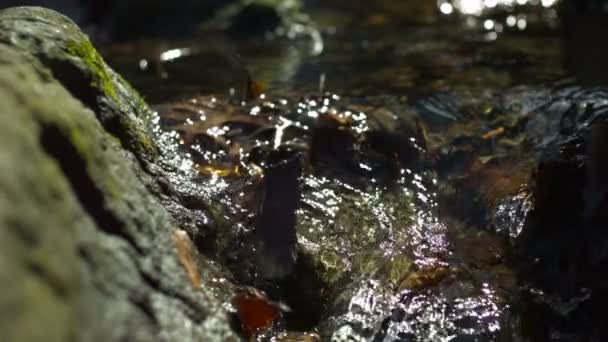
87,251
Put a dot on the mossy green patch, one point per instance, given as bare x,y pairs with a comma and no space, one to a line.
331,267
138,99
101,77
86,150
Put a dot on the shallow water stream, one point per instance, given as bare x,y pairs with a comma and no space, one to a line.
415,129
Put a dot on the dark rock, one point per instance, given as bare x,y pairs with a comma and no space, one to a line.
276,219
563,248
256,18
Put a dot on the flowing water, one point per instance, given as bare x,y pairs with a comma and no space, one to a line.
401,138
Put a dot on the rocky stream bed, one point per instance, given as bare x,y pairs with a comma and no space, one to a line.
359,181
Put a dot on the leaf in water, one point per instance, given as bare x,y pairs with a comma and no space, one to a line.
422,134
221,170
255,311
254,88
493,133
424,278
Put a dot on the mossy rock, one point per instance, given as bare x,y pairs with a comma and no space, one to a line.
87,252
63,49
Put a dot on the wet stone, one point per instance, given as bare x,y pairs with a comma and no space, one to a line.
88,244
368,232
455,192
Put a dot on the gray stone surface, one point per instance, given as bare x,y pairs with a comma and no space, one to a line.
68,54
87,251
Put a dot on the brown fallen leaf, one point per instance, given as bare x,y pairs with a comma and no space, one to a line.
254,88
493,133
424,278
221,170
500,176
422,134
183,246
255,311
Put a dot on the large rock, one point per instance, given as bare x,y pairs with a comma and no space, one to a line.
562,251
68,54
87,251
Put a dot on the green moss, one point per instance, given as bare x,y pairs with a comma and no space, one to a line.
331,267
101,77
81,143
140,108
368,263
142,141
86,150
399,267
140,104
148,145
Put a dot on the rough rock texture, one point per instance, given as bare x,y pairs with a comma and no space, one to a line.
563,248
64,50
87,251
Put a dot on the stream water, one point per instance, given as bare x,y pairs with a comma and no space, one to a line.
416,127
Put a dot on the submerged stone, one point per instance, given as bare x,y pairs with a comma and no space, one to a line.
275,224
369,237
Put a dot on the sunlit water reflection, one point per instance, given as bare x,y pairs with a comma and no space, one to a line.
376,230
382,239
